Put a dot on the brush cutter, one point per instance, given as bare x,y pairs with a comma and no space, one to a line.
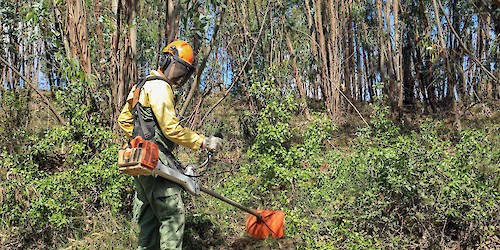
141,158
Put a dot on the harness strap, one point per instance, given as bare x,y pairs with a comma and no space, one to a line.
147,134
139,86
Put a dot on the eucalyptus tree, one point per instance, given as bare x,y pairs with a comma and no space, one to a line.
441,55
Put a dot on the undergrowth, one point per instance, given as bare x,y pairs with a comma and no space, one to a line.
430,187
56,182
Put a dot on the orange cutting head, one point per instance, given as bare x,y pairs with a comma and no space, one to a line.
271,224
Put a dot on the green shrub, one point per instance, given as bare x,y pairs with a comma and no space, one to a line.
391,188
59,178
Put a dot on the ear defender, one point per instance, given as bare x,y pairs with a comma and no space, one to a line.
165,60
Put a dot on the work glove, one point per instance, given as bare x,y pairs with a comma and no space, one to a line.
212,143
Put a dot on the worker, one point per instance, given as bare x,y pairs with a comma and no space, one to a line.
157,206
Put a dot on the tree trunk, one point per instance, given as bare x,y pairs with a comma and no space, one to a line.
173,10
381,44
398,56
335,78
315,78
408,82
391,90
77,33
369,68
489,82
59,26
123,71
348,48
298,81
76,30
361,78
99,33
323,57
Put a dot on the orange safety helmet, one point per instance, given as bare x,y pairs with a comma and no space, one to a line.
182,50
176,61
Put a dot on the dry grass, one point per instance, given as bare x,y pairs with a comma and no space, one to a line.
105,231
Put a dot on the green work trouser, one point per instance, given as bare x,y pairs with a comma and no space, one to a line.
159,211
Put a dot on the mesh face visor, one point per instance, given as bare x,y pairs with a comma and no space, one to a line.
178,69
187,67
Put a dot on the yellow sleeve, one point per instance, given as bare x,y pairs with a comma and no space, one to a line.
161,101
125,120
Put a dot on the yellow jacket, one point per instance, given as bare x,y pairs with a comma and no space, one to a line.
158,95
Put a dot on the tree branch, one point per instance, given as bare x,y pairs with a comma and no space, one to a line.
45,100
464,47
349,101
239,73
203,64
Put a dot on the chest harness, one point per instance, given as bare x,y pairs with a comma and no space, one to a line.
144,126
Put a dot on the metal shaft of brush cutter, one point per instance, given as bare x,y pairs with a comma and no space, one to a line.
231,202
265,223
189,181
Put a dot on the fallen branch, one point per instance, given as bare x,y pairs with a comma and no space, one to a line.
349,101
45,100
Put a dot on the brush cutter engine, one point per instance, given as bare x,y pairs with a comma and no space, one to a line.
141,157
